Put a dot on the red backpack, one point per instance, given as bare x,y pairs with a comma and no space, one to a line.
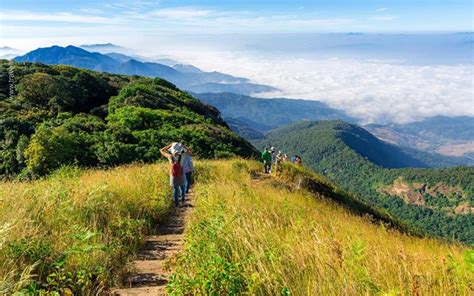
176,168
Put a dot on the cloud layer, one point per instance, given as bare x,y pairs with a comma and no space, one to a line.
370,91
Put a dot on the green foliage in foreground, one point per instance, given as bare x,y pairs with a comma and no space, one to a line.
346,155
59,115
73,232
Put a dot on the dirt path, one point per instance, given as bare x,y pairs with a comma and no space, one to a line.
260,177
149,275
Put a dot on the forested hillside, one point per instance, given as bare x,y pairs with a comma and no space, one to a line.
266,114
437,201
56,115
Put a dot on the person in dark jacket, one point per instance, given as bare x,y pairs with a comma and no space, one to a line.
267,161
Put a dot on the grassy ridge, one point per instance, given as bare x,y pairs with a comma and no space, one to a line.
347,154
267,238
73,232
305,178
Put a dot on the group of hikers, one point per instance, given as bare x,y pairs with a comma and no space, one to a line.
182,167
271,159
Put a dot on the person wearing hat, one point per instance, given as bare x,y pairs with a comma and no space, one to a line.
188,167
174,153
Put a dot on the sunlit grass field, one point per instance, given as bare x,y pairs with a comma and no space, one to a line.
267,237
74,231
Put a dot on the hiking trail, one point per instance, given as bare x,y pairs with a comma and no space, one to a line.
148,274
258,177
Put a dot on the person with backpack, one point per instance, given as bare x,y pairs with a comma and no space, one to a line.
188,168
278,161
267,161
174,153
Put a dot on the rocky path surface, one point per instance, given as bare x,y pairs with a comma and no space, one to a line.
149,275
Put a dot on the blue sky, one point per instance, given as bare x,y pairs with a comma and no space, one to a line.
111,18
29,23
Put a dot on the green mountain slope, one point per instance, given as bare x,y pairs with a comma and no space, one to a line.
56,115
438,201
270,113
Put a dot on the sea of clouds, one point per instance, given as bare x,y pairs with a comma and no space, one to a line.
374,91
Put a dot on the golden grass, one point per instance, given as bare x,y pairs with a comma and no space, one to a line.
282,240
76,229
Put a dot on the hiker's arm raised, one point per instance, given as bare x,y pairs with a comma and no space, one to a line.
164,151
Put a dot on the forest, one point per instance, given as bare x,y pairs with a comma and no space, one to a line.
52,116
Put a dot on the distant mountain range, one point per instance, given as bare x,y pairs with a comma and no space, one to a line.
8,53
184,76
263,115
445,135
105,48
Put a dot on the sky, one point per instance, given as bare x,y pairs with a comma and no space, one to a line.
416,69
59,19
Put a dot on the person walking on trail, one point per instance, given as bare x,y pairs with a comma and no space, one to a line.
278,161
267,160
174,153
188,168
273,154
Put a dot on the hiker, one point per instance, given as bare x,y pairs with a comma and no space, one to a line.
286,158
174,153
267,160
273,154
188,168
298,160
278,161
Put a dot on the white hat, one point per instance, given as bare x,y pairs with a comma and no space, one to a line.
273,148
176,148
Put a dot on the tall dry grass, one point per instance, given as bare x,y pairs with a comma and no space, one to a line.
74,231
267,238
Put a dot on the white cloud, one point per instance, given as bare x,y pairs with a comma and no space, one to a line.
370,91
184,19
52,17
181,13
384,18
382,9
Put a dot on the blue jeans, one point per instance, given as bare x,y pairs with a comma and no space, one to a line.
176,192
189,181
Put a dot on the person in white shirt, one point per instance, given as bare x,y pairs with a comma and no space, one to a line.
188,167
